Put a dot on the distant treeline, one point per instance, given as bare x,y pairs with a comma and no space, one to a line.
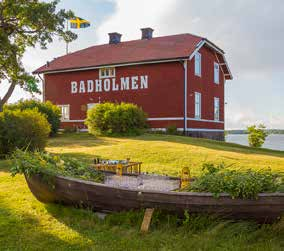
270,131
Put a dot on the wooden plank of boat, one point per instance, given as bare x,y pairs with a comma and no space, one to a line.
70,191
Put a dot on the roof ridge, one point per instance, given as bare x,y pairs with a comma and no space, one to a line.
131,51
129,41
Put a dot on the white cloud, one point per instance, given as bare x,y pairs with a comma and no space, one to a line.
131,15
250,32
237,118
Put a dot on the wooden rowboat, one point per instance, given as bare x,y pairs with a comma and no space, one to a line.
101,197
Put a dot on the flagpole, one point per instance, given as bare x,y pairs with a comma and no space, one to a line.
67,41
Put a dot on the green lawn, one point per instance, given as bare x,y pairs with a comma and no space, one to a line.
26,224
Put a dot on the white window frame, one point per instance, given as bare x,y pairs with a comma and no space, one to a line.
107,72
197,105
216,109
216,73
197,64
91,105
64,118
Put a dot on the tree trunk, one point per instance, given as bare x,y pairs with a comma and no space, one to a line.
8,94
1,106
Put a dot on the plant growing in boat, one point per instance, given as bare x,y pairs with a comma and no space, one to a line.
246,184
29,163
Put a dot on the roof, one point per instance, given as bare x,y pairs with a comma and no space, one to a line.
142,50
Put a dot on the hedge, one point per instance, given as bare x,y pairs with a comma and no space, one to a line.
116,119
51,111
26,130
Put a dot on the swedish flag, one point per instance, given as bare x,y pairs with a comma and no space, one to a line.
78,23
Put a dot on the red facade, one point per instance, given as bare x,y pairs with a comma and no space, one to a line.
163,100
164,87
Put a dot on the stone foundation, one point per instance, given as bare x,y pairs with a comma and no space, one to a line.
207,134
214,135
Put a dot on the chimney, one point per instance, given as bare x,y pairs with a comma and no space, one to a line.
114,38
147,33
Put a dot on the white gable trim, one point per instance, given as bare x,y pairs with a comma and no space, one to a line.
198,46
204,41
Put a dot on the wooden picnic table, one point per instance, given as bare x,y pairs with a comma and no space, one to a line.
120,168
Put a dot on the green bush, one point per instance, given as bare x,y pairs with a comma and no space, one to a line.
51,111
239,184
256,135
26,129
116,119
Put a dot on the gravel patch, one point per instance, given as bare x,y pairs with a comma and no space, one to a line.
143,182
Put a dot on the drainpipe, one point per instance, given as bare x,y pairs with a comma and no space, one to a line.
185,96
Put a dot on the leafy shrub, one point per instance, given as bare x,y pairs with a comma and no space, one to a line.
27,129
30,163
112,118
239,184
172,130
51,111
257,135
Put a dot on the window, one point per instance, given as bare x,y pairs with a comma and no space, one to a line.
197,64
216,73
198,105
216,108
65,112
91,105
107,72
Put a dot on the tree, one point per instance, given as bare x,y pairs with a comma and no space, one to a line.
23,24
256,135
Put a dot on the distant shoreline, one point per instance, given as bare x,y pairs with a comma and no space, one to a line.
270,131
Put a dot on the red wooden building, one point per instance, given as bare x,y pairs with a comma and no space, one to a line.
177,80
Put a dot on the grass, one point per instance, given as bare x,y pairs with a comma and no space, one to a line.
26,224
165,153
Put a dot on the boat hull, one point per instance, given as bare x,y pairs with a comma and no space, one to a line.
99,197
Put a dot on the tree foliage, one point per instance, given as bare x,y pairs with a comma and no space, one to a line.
23,24
256,135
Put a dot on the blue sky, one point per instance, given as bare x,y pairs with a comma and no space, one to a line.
250,32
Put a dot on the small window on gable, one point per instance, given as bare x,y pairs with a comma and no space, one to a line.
216,109
65,112
197,105
197,64
107,72
216,73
